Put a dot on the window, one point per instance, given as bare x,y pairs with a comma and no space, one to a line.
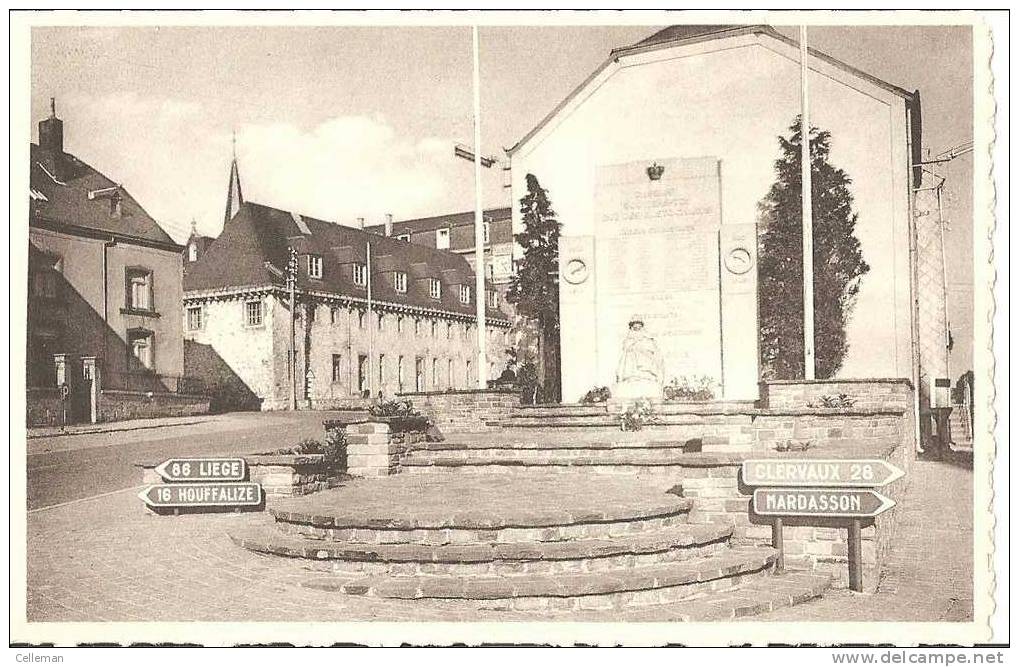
381,321
193,252
139,289
399,373
434,288
449,331
337,369
467,374
399,324
382,369
360,319
434,324
253,313
442,238
404,237
485,230
194,318
465,293
311,310
467,331
449,373
334,314
435,373
360,274
400,282
140,343
362,374
417,326
419,374
315,266
493,299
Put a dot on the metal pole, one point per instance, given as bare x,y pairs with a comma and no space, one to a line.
292,279
855,561
777,543
479,238
371,331
808,216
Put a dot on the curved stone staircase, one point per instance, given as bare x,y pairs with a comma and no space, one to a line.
549,544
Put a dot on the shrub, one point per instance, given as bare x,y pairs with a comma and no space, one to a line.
334,451
402,408
832,401
638,415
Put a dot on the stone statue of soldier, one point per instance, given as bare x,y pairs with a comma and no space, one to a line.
641,370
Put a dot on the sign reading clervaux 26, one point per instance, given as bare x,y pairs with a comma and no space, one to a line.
819,472
217,494
851,503
202,470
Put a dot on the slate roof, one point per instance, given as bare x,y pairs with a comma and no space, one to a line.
258,234
440,221
64,183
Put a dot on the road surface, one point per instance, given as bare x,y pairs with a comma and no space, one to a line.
62,468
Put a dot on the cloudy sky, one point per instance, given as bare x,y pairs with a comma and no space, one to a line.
345,122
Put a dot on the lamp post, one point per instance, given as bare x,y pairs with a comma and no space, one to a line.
807,214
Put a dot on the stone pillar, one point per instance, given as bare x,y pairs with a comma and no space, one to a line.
370,452
90,372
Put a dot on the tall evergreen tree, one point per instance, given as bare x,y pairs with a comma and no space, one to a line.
838,261
534,289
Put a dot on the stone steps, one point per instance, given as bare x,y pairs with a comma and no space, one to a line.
593,409
675,543
489,460
612,421
467,528
652,584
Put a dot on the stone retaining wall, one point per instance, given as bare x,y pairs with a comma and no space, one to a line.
118,405
44,407
466,411
870,393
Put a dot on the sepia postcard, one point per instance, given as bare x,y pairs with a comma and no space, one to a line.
381,328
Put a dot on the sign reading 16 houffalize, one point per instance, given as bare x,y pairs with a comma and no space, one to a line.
202,482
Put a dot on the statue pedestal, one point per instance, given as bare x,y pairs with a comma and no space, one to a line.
629,390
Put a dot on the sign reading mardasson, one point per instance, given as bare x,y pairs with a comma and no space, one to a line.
852,503
818,472
223,494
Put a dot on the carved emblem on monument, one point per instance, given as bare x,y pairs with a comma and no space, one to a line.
655,171
641,368
739,261
576,271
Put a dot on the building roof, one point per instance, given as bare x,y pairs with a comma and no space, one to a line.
258,234
678,35
65,191
432,223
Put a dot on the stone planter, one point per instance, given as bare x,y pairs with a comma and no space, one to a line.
376,446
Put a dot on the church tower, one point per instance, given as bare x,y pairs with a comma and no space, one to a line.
234,198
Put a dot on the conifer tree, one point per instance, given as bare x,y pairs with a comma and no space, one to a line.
838,261
534,289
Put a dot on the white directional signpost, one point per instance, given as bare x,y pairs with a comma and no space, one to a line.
202,482
836,488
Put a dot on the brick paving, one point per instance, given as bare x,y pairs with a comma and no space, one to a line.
107,559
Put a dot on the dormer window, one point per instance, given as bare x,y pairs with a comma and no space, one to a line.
400,282
434,288
442,238
403,237
315,266
493,299
485,231
360,274
465,293
193,252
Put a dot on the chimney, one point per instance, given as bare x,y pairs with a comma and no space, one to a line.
115,208
51,131
389,224
360,224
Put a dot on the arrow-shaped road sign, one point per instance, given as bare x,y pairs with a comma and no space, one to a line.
202,470
851,503
216,494
819,472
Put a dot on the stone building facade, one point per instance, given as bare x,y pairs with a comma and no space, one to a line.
416,331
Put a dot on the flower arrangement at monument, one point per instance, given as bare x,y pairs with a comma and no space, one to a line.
833,401
597,395
637,415
693,388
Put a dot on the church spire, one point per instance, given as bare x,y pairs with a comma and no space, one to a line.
234,198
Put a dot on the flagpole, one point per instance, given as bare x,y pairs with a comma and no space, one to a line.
370,327
479,236
808,215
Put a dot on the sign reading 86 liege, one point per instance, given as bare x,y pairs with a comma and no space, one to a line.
202,482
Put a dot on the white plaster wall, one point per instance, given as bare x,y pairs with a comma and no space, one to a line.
731,99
